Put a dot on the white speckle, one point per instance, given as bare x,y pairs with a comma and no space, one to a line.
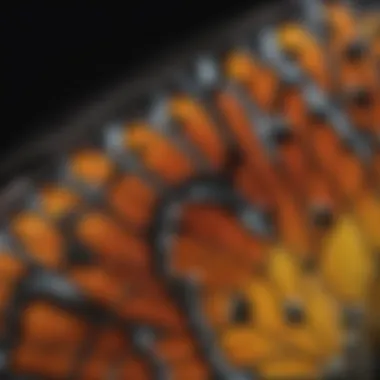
207,72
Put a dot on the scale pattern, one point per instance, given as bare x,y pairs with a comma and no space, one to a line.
231,230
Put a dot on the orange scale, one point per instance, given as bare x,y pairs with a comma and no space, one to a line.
175,348
191,369
91,166
155,311
50,342
251,147
298,41
158,154
113,245
57,201
105,355
133,199
212,267
12,269
337,161
99,285
261,81
199,128
136,368
215,225
40,239
343,25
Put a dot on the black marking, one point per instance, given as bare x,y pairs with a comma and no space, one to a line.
335,370
310,265
353,317
360,97
355,51
294,313
322,216
292,55
234,159
318,115
282,133
241,310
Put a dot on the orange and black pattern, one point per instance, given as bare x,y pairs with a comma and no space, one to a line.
231,230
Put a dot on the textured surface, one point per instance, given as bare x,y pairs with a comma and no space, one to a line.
230,230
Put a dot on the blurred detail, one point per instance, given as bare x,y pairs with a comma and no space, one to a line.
233,232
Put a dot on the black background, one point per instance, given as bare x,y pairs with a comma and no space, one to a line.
55,55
